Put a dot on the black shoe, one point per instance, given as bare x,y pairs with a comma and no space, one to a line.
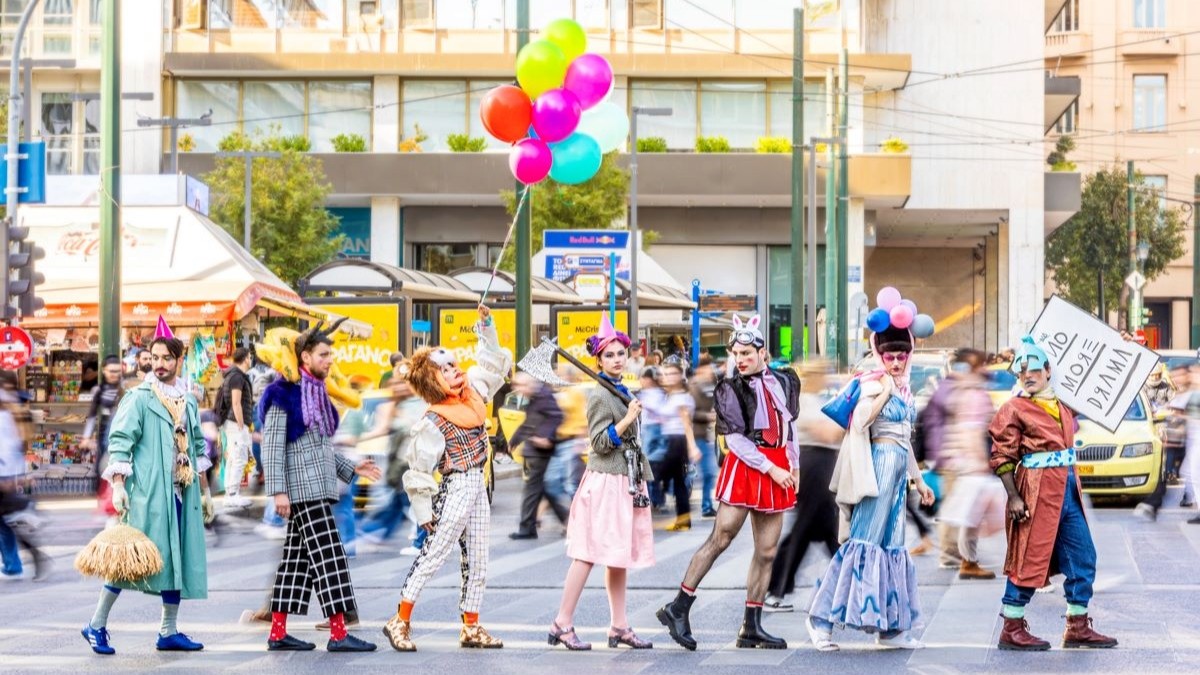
522,535
675,616
1185,504
752,635
349,644
289,644
709,513
1194,521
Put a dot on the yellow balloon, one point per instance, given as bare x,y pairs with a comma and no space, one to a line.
541,66
568,35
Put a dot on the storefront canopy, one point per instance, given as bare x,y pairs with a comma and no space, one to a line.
370,277
174,262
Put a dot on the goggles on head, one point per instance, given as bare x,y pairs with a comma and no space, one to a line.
747,337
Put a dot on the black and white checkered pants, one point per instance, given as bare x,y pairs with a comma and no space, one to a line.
464,518
313,558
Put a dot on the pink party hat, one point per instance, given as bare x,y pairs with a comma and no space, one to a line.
163,330
607,332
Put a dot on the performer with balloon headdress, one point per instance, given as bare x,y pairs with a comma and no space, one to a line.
1033,452
871,583
756,406
451,439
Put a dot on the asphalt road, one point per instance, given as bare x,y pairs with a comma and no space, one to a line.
1148,596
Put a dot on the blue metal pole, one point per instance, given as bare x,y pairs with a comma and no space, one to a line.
696,322
612,288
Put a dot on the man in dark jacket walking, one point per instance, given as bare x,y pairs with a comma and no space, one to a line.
538,432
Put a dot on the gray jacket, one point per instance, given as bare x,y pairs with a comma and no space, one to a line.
605,410
306,470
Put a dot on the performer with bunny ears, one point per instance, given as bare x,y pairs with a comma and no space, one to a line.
756,406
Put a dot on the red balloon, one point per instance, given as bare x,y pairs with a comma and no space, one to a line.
506,112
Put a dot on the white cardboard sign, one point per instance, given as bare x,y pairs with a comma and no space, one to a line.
1092,368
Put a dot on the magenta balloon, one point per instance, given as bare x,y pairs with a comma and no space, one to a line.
530,160
902,316
556,114
590,78
887,298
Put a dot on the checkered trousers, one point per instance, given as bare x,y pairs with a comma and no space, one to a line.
313,558
464,518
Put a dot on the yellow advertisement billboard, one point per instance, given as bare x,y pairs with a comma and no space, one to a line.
574,326
364,360
456,331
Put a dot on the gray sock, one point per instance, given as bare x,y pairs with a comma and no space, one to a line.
170,612
108,595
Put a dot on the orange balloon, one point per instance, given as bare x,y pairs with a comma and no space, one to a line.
506,112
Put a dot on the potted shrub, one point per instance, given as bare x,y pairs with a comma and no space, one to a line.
894,146
652,144
1058,159
349,143
413,143
712,144
186,143
465,143
773,145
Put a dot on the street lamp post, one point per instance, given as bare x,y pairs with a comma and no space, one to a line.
175,124
634,247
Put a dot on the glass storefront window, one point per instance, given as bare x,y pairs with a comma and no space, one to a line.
338,108
478,15
779,98
444,258
735,110
58,125
196,97
439,107
269,105
779,291
680,127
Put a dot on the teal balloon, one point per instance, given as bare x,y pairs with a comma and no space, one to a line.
576,159
607,123
922,326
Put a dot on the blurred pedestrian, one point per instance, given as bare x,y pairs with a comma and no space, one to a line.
675,410
105,397
1158,388
17,520
818,439
703,384
395,419
957,434
537,437
234,412
653,444
565,470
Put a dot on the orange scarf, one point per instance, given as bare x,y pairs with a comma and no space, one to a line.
464,408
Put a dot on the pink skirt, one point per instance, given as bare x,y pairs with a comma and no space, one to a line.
604,528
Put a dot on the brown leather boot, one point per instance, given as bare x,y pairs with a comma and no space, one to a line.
971,570
1079,634
1015,636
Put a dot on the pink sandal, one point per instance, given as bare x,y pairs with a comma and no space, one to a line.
573,643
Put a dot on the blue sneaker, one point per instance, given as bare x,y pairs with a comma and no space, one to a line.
178,643
98,639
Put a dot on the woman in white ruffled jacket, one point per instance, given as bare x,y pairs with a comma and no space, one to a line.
451,439
871,583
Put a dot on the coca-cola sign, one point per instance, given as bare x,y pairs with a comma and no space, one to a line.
87,244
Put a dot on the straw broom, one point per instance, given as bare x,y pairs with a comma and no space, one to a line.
121,553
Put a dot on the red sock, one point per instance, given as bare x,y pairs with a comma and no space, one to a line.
685,589
337,627
751,603
278,626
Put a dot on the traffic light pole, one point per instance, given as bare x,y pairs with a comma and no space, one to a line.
800,326
12,189
110,180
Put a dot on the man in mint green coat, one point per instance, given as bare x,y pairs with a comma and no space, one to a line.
156,467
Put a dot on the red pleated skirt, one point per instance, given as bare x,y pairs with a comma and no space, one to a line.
741,485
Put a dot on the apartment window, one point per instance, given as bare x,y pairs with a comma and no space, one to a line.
95,13
438,107
1067,124
646,13
196,97
338,107
779,101
592,13
1149,14
1067,20
542,12
1149,102
10,15
416,13
57,16
1157,186
68,150
224,14
698,14
679,129
481,14
273,105
307,15
735,110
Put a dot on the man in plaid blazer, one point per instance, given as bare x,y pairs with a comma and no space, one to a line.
302,473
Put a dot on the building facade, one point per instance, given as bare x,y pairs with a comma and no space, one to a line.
957,221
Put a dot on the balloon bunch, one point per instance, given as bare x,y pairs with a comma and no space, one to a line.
558,119
893,310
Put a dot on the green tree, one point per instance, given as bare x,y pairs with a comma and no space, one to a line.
595,204
1092,248
292,231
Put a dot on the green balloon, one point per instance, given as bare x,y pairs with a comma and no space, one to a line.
541,66
569,36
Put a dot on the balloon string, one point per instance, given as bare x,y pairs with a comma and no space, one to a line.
507,238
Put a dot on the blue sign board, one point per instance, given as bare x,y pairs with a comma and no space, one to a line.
355,225
563,267
31,172
586,239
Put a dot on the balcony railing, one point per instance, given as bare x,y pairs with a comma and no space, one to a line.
1150,42
1068,45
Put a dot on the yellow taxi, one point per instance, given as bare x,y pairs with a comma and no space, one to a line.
1126,463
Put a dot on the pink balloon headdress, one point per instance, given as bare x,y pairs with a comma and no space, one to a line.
606,336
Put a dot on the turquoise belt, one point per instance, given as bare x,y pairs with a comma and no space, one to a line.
1050,459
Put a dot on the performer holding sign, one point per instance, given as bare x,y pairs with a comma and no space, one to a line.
1033,438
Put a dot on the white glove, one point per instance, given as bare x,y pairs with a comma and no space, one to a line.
120,498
